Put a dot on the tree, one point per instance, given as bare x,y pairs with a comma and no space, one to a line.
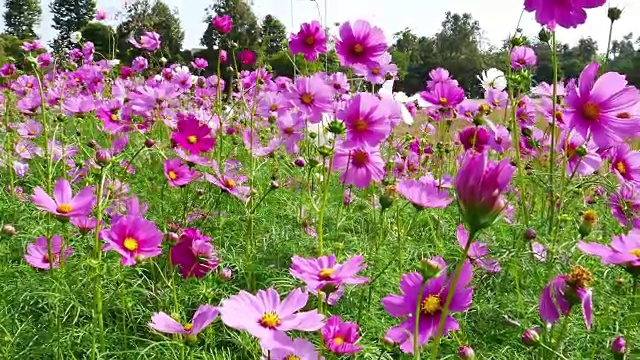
273,35
142,16
70,16
102,37
21,17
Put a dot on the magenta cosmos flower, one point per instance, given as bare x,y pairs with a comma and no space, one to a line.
229,180
37,254
475,137
177,173
523,57
568,14
246,57
64,204
312,96
361,165
193,136
625,205
431,303
424,193
296,349
224,23
366,123
625,163
360,43
440,75
194,254
266,317
341,337
479,185
134,238
565,291
600,107
325,273
477,251
624,249
149,41
164,323
582,155
310,41
444,96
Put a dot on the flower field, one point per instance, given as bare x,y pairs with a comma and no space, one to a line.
156,213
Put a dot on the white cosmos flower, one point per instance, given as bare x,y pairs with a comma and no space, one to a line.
493,79
75,37
113,62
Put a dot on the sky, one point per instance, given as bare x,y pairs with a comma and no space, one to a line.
498,18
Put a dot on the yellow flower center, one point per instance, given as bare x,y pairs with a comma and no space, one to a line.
360,125
590,216
338,340
310,40
306,99
621,167
64,208
431,304
325,274
358,48
591,111
29,85
270,320
229,183
192,139
188,327
443,101
375,71
635,252
579,277
172,175
114,117
292,357
273,107
130,244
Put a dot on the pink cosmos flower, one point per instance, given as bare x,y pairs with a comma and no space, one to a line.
292,128
361,165
37,254
200,63
444,96
479,184
101,15
293,350
177,173
246,57
30,129
309,41
424,193
596,106
440,75
341,337
625,205
500,141
193,136
32,46
624,249
312,96
366,123
229,180
359,43
475,137
430,305
582,155
266,317
477,251
134,238
568,14
64,204
224,23
564,292
149,41
522,57
84,223
164,323
325,273
194,254
625,163
377,73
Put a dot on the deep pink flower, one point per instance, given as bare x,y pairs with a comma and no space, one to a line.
164,323
361,165
200,63
309,41
475,137
625,163
194,254
565,291
360,43
568,14
177,173
134,238
440,76
366,123
444,96
312,96
582,155
600,107
101,15
246,57
224,23
266,317
625,205
477,251
523,57
193,136
500,140
64,204
430,305
37,254
340,337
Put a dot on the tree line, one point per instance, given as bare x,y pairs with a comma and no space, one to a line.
458,45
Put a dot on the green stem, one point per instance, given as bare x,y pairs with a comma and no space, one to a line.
552,151
606,59
98,275
416,322
323,207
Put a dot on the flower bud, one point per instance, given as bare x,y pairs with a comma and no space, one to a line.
92,144
430,269
531,337
9,230
149,143
614,13
226,274
275,184
589,219
618,347
544,35
325,151
299,162
103,157
163,60
530,234
171,236
581,151
387,341
337,127
466,353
